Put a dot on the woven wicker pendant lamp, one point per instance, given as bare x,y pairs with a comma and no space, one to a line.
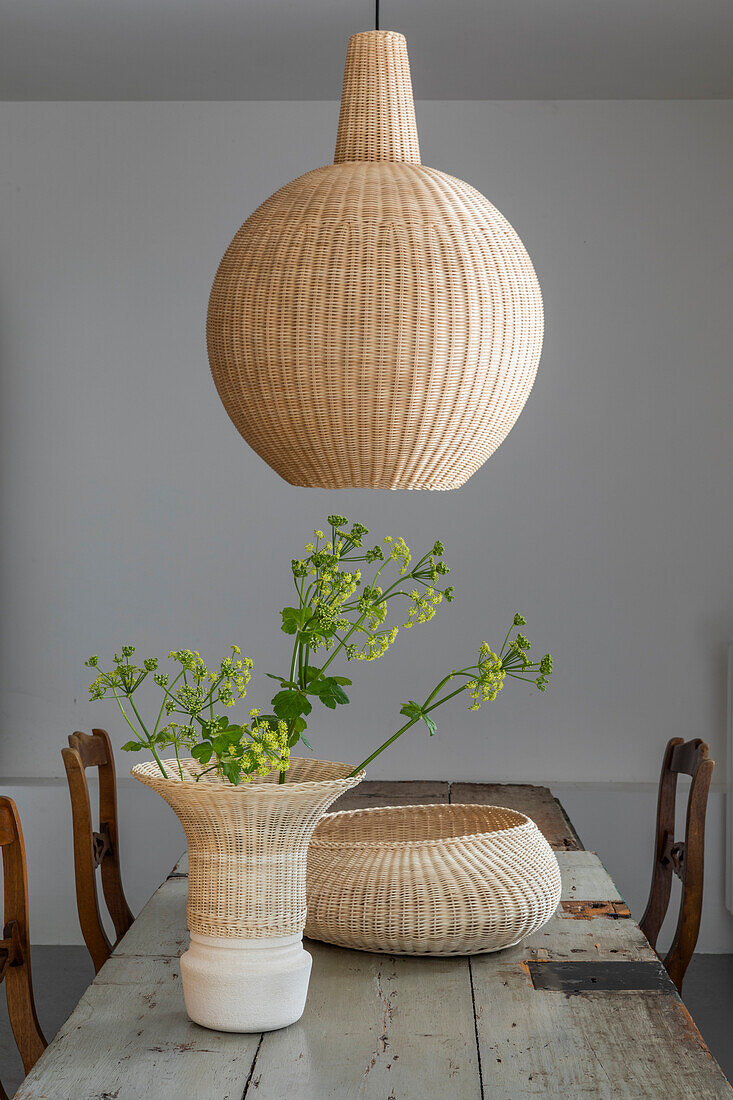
375,323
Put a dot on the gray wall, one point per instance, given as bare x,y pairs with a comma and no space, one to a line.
133,510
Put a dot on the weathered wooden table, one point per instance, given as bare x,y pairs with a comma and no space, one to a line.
581,1009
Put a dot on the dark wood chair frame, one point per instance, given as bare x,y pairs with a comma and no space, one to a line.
685,858
96,848
15,951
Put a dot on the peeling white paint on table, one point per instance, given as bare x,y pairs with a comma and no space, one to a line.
386,1027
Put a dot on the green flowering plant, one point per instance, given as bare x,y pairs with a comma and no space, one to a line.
192,692
338,612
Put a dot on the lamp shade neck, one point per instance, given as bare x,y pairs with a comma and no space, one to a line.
377,120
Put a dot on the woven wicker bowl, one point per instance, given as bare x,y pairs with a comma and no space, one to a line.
429,880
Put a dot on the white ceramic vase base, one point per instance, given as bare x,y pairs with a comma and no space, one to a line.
245,985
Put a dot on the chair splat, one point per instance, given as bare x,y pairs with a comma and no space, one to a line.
685,858
96,847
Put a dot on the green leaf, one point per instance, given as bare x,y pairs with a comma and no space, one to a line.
329,692
290,616
429,723
337,691
312,673
411,709
290,704
132,746
281,680
299,725
232,771
202,752
306,742
294,618
414,710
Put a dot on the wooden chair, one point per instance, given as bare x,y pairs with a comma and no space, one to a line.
99,848
15,956
686,858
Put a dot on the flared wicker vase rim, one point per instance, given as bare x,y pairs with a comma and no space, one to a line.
326,774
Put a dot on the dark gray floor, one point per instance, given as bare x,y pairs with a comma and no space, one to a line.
61,974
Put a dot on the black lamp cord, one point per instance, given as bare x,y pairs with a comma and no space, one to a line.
376,15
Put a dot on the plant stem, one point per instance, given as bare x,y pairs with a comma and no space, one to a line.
148,744
425,710
162,705
381,748
124,715
439,702
344,640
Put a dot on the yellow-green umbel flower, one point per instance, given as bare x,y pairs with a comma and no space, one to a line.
490,679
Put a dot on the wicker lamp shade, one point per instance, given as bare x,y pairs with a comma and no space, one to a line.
375,323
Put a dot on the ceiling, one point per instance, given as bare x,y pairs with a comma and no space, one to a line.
294,49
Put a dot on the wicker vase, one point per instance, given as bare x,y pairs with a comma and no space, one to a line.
246,969
375,323
429,880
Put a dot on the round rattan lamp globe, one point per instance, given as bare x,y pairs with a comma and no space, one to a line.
375,323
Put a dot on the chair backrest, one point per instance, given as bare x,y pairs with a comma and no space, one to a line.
96,847
15,953
685,858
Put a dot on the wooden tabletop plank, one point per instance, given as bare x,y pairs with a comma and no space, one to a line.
129,1039
585,878
375,1026
412,792
539,803
628,1044
606,1045
160,928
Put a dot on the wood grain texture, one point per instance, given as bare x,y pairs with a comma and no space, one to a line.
628,1044
601,1045
129,1039
95,848
584,877
375,1026
684,858
15,948
539,803
161,927
411,792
